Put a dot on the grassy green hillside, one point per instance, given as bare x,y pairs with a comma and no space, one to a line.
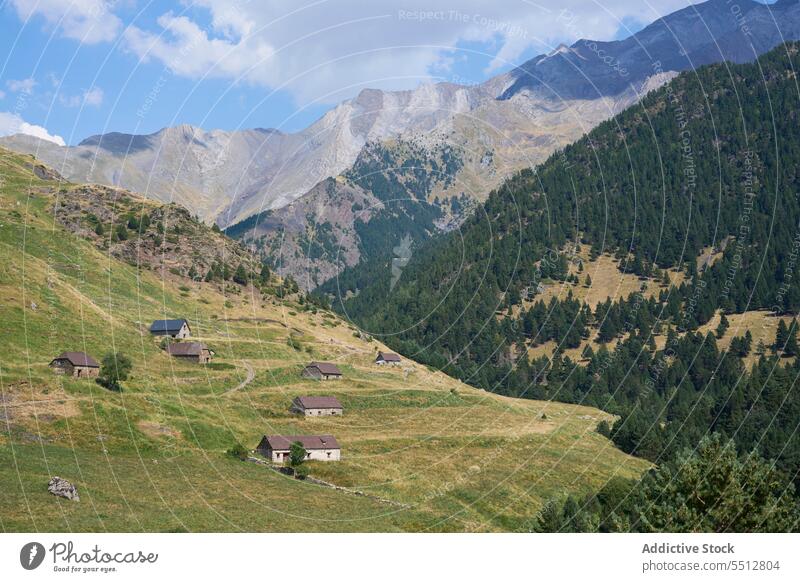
431,452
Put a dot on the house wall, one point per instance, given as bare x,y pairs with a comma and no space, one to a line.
311,373
314,455
322,411
325,455
85,372
62,367
183,332
203,358
66,368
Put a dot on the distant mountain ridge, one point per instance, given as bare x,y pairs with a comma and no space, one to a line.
226,176
698,35
510,122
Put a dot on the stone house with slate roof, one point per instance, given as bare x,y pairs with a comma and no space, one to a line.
321,371
316,406
318,447
387,359
175,328
76,364
191,351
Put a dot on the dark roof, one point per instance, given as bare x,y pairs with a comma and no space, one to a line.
310,442
160,325
325,368
78,359
318,402
388,356
186,349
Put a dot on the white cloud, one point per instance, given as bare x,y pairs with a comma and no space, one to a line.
337,48
10,123
192,53
93,97
89,21
21,86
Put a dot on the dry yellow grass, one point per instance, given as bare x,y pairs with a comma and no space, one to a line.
762,325
607,281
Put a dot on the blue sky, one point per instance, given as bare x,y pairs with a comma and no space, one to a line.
74,68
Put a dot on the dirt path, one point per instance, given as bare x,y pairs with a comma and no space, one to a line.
251,374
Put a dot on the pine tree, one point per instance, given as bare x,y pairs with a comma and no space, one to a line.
240,276
722,327
781,336
714,490
790,349
265,274
121,232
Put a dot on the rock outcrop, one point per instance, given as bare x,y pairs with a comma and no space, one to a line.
63,488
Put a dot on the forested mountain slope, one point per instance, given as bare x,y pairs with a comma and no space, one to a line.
707,162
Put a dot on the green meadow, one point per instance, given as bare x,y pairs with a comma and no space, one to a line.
420,451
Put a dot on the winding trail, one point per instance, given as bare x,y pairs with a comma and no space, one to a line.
251,374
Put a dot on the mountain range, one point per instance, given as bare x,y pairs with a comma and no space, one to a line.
579,344
466,138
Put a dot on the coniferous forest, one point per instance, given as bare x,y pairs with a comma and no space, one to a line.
708,161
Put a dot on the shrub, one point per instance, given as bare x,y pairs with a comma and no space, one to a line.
121,232
238,451
114,368
240,276
300,472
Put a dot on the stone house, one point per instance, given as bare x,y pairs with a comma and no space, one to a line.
176,328
191,351
316,406
321,371
318,447
76,364
387,359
